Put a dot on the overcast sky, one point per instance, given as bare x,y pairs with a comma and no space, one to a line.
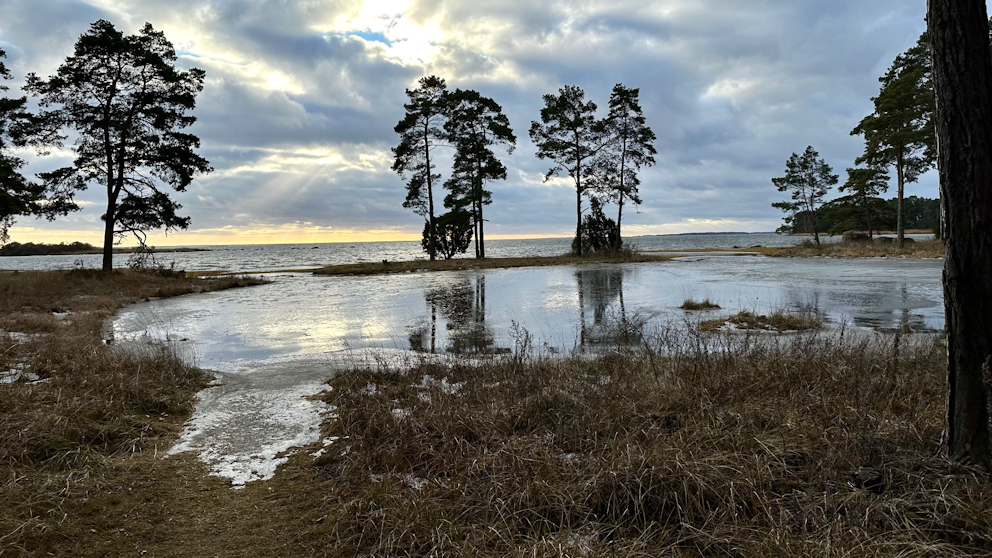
301,98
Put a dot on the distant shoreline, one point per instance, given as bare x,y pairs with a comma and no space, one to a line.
197,247
78,249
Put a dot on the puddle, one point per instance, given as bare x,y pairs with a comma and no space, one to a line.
273,345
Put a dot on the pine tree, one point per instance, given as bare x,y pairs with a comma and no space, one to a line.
420,132
630,146
475,123
807,179
864,186
900,132
570,136
128,105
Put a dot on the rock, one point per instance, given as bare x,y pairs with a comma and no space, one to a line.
854,237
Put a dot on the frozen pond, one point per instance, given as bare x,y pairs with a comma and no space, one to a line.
274,344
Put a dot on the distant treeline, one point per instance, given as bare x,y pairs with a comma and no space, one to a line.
841,215
32,249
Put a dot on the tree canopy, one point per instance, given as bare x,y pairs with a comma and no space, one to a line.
900,132
629,146
807,179
19,196
128,105
569,135
421,130
475,124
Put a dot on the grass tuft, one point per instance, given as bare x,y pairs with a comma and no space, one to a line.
808,249
705,304
779,321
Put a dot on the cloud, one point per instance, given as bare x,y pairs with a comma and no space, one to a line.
301,98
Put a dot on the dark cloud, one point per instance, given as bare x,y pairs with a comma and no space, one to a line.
299,105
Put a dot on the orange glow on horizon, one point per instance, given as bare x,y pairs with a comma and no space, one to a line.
240,236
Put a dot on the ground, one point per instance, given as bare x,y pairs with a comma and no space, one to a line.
726,444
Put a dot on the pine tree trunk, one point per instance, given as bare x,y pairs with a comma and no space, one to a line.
431,246
962,77
108,234
868,218
623,160
619,218
900,211
578,207
482,234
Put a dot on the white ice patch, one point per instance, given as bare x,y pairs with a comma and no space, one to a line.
443,384
370,389
325,442
21,337
241,428
415,483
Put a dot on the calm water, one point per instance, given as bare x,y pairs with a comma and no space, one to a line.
295,256
274,344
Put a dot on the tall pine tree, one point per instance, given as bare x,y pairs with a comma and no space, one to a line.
629,147
128,104
420,132
570,136
475,124
900,133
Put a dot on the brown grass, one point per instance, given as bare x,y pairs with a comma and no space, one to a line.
714,445
808,249
80,401
724,449
779,321
371,268
705,304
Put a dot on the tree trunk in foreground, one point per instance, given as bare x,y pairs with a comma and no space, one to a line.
108,236
962,76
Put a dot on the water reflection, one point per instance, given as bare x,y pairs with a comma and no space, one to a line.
461,305
600,293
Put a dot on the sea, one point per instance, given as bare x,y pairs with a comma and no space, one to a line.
280,257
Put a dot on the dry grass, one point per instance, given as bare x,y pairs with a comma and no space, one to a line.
780,321
705,304
808,249
79,401
707,445
720,448
372,268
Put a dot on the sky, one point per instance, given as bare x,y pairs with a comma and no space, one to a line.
301,98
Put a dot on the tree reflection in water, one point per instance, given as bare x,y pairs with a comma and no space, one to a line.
462,305
598,288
